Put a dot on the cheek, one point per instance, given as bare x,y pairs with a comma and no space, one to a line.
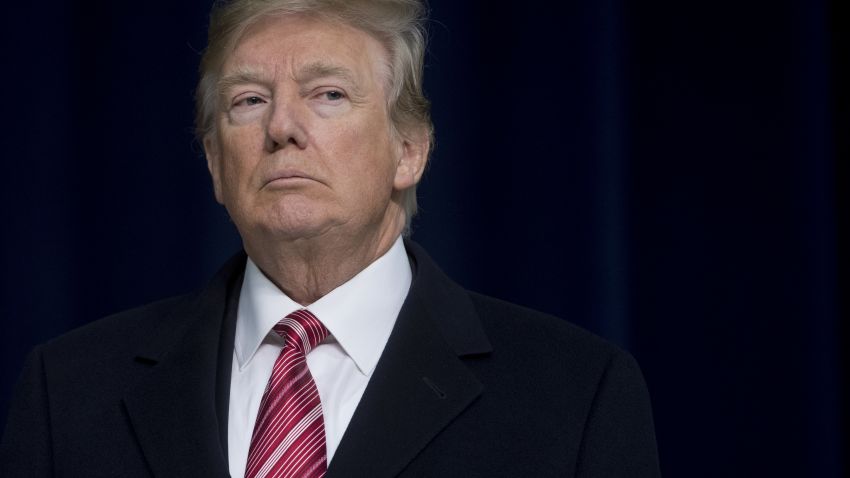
241,151
238,158
368,165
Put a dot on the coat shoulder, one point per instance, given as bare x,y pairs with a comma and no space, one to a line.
524,328
119,333
152,326
576,401
554,354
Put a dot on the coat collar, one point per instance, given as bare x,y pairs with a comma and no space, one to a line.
420,384
178,409
446,304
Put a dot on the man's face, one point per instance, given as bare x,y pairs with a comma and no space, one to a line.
303,146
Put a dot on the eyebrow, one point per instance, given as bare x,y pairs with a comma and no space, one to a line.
320,69
240,77
305,74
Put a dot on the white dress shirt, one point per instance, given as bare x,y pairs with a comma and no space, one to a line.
359,314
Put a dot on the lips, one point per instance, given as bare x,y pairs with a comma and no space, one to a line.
288,175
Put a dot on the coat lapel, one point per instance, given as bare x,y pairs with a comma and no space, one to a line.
420,383
175,408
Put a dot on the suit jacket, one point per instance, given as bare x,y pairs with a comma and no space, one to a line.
467,386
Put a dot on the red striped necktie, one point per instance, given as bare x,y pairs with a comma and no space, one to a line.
289,434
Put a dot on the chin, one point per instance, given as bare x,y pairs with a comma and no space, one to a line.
293,223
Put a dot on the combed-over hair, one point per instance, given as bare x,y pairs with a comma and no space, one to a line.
398,24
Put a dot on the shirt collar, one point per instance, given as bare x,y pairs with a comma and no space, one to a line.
359,314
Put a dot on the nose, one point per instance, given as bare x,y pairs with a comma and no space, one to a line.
285,127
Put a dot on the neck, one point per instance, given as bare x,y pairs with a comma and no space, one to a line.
307,269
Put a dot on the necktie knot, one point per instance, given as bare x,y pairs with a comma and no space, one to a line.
301,330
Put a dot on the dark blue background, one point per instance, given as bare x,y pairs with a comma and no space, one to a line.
663,173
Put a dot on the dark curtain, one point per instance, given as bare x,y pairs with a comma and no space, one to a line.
662,173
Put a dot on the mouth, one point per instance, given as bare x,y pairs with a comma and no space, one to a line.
287,177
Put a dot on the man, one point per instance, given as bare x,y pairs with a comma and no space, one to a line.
331,347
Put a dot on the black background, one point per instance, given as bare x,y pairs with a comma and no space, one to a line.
665,174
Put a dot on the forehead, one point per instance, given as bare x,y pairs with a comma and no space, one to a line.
278,45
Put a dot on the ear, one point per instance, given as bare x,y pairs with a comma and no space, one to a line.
213,154
412,159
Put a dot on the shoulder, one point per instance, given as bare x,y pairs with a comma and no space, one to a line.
150,326
512,325
120,333
585,395
524,342
555,355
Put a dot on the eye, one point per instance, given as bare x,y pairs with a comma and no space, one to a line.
333,95
249,101
253,100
